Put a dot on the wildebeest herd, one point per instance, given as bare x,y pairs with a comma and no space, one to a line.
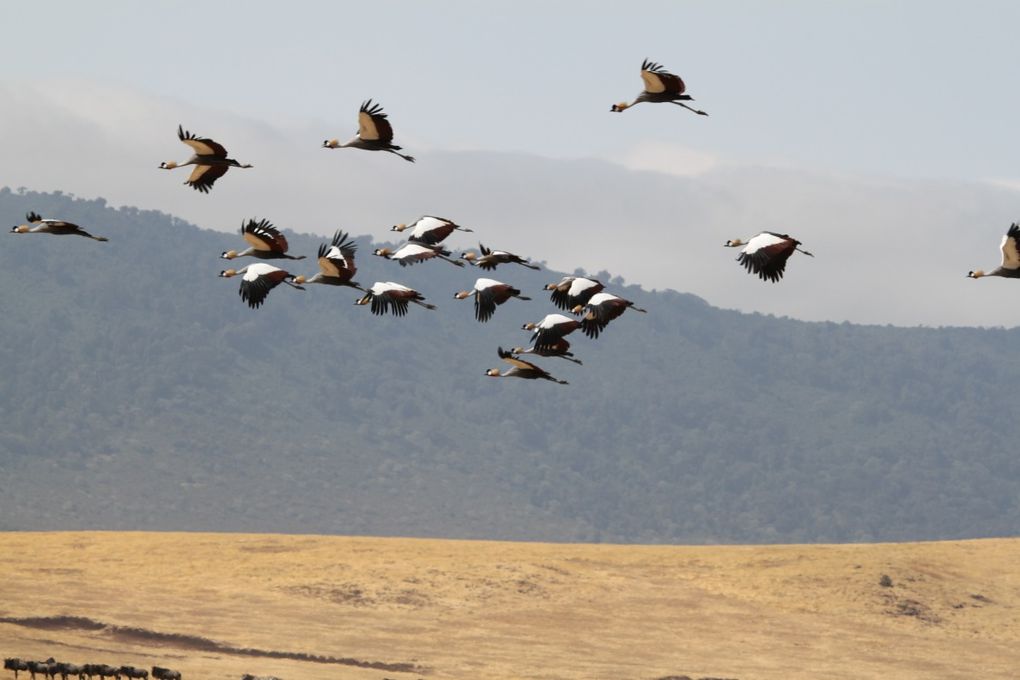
51,668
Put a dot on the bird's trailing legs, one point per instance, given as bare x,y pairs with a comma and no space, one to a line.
697,111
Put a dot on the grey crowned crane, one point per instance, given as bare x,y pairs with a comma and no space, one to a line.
766,254
387,296
258,279
574,290
264,242
560,348
209,158
489,259
1010,267
336,263
374,133
410,253
429,230
661,87
519,368
37,225
600,310
489,293
551,329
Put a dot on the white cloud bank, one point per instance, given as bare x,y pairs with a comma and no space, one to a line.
887,251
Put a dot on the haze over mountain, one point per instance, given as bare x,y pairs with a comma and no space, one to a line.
139,393
889,250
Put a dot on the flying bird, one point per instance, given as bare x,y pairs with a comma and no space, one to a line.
574,290
600,310
489,293
336,263
55,227
1010,267
489,259
429,230
386,296
411,253
521,369
265,242
661,87
551,329
209,158
766,254
374,133
258,279
560,348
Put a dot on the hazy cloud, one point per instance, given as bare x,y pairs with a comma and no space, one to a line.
671,159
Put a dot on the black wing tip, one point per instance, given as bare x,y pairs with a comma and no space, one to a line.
372,109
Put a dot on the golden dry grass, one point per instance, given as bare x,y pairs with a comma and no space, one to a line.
475,609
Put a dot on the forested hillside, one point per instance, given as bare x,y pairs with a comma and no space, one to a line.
138,392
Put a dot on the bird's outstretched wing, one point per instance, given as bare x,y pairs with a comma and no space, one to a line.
204,176
1010,255
203,146
766,255
517,362
258,281
373,125
336,259
658,80
262,235
485,304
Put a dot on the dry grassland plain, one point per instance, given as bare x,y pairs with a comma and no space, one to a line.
216,606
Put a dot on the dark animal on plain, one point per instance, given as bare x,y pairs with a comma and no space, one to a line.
39,667
165,673
15,664
66,669
246,676
105,671
132,672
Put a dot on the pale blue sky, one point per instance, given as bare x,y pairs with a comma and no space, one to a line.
911,89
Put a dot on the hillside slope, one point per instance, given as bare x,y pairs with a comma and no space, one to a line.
320,608
139,393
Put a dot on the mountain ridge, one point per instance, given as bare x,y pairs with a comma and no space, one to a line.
141,394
